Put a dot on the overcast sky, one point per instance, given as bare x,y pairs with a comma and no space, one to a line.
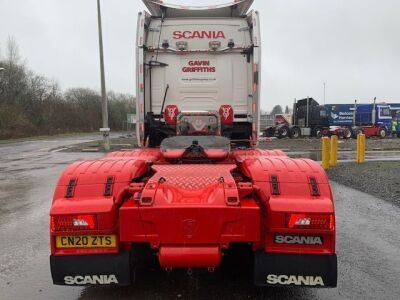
352,45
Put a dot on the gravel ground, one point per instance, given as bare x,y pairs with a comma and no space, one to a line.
378,178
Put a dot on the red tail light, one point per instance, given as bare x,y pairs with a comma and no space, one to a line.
310,221
73,222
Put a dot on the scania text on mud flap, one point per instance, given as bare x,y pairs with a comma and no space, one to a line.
296,239
197,191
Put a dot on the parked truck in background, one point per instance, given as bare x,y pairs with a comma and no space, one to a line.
309,118
197,194
345,120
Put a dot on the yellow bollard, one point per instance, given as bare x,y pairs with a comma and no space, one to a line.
334,151
360,148
325,152
362,155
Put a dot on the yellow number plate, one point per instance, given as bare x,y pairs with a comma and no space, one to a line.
86,241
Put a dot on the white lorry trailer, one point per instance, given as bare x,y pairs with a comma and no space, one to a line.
197,59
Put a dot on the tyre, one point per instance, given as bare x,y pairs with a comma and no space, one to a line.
357,131
283,132
317,132
295,132
325,132
346,133
269,132
382,133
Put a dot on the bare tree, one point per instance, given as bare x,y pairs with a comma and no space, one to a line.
12,51
32,104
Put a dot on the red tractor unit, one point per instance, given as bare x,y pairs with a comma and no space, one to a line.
197,190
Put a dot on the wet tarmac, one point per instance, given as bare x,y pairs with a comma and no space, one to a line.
368,241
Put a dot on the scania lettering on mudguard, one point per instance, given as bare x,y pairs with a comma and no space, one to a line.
295,280
96,269
298,239
90,279
308,270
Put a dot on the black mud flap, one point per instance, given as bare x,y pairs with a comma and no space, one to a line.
295,270
105,269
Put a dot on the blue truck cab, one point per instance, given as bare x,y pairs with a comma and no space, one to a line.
360,115
383,115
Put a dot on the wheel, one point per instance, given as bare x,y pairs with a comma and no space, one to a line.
269,132
382,133
346,133
283,132
325,132
318,133
295,132
357,131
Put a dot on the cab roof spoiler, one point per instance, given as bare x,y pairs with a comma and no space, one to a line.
236,8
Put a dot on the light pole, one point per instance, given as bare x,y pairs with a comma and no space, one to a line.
1,88
324,92
105,130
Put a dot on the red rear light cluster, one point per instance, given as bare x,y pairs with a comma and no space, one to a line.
73,222
310,221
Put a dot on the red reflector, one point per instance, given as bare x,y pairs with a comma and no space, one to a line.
226,114
171,113
310,221
73,222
